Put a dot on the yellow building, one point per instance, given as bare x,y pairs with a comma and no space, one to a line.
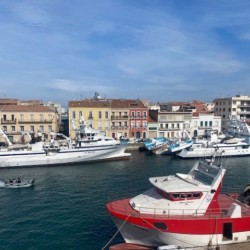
94,113
37,120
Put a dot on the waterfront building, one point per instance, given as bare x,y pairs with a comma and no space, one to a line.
112,117
17,117
95,113
169,123
203,123
238,105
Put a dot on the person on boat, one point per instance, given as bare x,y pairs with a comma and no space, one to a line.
18,180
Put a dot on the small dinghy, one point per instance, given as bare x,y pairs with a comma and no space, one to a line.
17,183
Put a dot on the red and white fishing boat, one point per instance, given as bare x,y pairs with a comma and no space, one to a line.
186,210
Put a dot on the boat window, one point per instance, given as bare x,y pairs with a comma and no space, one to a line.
164,194
205,174
196,195
176,196
184,196
160,225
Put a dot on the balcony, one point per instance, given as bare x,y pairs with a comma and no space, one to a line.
243,112
123,117
244,105
169,129
8,121
31,121
205,127
119,128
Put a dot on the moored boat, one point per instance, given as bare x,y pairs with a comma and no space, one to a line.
89,145
187,210
17,183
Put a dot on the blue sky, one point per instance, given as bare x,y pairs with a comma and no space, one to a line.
161,50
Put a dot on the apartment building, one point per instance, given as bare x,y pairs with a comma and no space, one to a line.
95,113
238,105
129,118
203,123
169,123
112,117
37,120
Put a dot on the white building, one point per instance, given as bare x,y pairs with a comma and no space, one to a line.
238,105
202,123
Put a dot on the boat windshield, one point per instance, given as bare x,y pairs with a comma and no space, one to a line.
205,173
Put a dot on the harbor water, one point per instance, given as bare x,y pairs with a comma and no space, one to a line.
66,207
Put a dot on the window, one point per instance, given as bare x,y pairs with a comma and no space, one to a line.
5,128
13,129
32,129
12,117
201,124
210,123
138,114
90,115
50,118
100,114
80,114
49,128
205,123
132,124
21,117
133,114
145,114
106,114
41,128
22,128
73,115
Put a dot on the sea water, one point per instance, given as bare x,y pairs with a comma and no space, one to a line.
66,207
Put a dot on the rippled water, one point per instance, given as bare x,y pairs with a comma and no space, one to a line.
66,207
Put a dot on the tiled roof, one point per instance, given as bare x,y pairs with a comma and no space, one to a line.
25,108
89,103
124,103
112,103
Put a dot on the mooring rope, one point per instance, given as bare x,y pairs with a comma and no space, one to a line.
116,233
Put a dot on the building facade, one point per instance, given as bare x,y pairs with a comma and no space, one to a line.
202,123
238,105
169,123
37,120
112,117
94,112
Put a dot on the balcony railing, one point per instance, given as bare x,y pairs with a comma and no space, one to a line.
119,128
4,121
30,121
123,117
244,112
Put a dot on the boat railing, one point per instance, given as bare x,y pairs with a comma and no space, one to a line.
162,213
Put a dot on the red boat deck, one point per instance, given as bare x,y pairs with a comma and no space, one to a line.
219,210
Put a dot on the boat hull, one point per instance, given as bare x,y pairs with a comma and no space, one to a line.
152,237
67,156
211,152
